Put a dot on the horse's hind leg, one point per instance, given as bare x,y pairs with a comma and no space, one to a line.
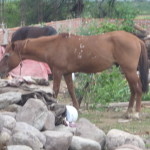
139,95
69,82
132,99
136,93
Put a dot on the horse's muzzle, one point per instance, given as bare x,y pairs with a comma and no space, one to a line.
2,75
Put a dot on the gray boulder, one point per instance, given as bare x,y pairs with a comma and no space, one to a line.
28,139
5,136
18,147
86,129
26,128
63,128
13,108
34,112
116,138
50,121
128,147
57,140
8,113
79,143
9,98
147,141
8,121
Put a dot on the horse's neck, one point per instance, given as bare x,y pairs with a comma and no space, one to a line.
36,50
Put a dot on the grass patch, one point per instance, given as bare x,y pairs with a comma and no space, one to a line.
109,119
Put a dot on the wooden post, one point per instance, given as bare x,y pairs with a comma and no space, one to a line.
5,34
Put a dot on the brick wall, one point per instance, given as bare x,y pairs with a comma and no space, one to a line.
72,25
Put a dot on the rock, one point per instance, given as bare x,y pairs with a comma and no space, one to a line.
57,140
13,108
64,128
9,98
6,130
4,137
50,121
59,111
128,147
1,124
26,128
12,114
84,128
79,143
26,138
8,121
3,83
147,141
18,147
34,112
116,138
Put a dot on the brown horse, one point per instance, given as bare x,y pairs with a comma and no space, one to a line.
66,53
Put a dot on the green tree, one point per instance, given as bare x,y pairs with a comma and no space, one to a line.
12,13
36,11
109,9
26,12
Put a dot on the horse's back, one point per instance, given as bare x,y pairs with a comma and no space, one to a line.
98,52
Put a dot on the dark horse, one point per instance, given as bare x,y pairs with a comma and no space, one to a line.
66,53
32,32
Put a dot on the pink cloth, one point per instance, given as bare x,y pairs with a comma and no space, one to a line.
29,68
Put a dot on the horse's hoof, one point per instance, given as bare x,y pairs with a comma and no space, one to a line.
133,115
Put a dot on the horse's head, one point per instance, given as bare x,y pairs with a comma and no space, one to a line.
11,58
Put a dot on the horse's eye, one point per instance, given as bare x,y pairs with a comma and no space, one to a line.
6,55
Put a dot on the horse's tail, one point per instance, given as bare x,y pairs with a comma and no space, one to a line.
143,67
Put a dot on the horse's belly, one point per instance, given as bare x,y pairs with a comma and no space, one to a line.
90,64
94,69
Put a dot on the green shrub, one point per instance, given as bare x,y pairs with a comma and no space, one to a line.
109,86
94,27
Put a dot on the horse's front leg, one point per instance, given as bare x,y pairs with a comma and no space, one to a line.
69,82
57,75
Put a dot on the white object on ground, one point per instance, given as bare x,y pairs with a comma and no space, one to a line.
71,114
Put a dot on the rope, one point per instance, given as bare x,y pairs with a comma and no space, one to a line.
20,61
20,68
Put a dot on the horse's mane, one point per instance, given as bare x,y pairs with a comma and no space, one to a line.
32,32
